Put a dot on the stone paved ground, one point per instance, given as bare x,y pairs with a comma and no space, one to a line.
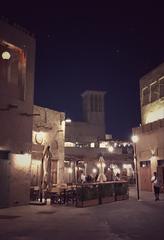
125,220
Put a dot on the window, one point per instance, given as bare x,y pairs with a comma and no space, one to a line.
103,144
69,144
100,104
154,91
96,108
92,103
92,145
144,163
4,154
160,162
161,87
145,96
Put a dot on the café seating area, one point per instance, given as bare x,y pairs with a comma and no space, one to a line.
86,194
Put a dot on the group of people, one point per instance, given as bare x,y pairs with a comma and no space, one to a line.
155,181
87,179
90,178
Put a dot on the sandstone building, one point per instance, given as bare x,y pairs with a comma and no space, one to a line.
150,147
86,140
48,130
17,60
26,130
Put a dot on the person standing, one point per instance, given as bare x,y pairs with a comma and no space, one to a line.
117,177
83,177
156,184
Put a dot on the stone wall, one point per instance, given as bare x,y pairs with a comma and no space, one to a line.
150,146
16,103
16,109
19,180
49,130
152,95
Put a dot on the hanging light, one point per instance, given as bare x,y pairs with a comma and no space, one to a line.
6,55
135,138
68,120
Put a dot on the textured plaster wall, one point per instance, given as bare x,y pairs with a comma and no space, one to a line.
151,144
12,119
19,180
153,111
52,125
16,122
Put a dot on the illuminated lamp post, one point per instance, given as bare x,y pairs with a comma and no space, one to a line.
135,140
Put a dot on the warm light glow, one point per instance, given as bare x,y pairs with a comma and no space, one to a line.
92,145
69,144
110,149
115,144
128,168
155,115
39,137
70,170
22,160
6,55
94,170
115,168
103,144
68,120
127,165
124,144
98,165
135,138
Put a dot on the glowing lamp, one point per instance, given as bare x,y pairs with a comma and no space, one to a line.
94,170
68,120
39,137
135,138
124,144
6,55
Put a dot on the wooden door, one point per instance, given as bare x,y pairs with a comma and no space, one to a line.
160,171
145,178
4,182
35,172
53,172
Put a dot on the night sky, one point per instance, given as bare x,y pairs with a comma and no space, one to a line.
93,48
